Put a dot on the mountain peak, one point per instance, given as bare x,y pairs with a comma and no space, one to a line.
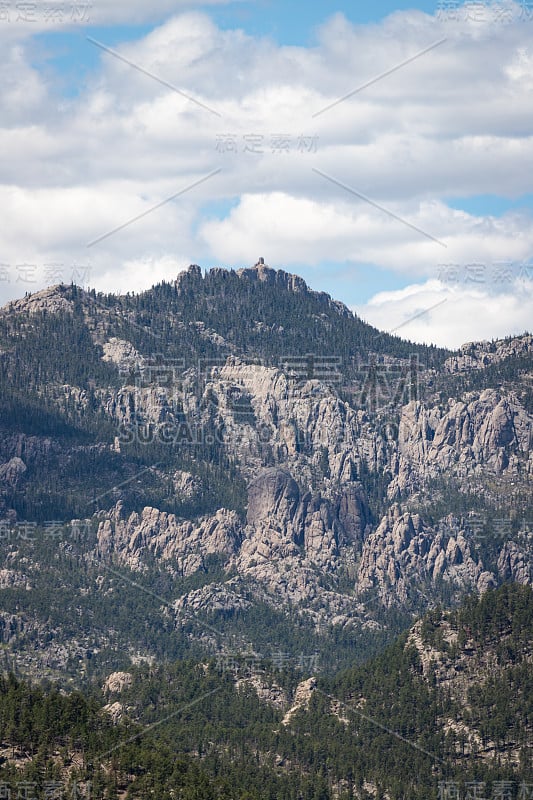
278,277
52,299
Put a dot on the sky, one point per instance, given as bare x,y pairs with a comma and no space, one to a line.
383,151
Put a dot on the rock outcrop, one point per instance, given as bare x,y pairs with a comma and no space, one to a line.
478,355
123,354
302,698
12,471
165,537
404,558
117,682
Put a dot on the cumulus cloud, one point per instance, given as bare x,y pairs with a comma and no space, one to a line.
163,112
140,274
436,313
296,229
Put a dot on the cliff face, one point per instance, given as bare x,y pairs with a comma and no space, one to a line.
422,496
310,511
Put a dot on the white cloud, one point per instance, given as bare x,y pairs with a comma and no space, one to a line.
448,316
140,274
457,121
298,230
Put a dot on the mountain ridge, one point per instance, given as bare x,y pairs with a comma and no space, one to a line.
234,439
